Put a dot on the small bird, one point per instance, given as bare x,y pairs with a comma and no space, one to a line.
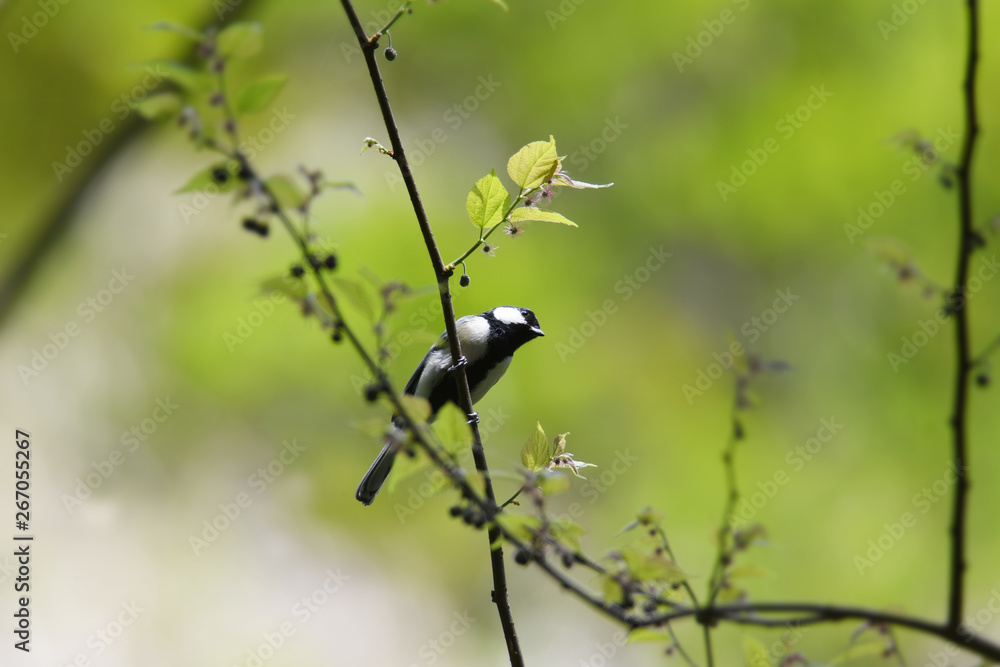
488,344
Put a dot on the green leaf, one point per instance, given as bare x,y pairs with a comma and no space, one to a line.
418,408
286,191
186,78
357,295
568,532
220,177
553,483
535,454
873,647
534,164
452,428
755,653
612,590
487,202
646,567
175,28
239,40
534,214
257,95
520,526
294,288
160,106
647,635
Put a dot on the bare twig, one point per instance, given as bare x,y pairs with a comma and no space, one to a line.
959,311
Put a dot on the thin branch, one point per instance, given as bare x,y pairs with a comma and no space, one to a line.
963,359
500,596
60,218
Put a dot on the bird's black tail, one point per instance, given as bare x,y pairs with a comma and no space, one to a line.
375,477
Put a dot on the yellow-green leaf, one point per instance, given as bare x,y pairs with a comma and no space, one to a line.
159,106
286,191
452,428
647,635
646,567
534,214
239,40
220,177
534,164
257,95
185,77
487,202
535,454
755,653
418,408
612,590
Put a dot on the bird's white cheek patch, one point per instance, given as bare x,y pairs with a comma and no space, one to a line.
509,315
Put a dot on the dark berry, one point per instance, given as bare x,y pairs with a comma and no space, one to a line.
464,280
330,262
336,336
983,380
314,261
298,271
522,557
371,392
255,226
390,53
220,175
244,173
455,510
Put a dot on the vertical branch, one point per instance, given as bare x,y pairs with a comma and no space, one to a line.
959,311
500,598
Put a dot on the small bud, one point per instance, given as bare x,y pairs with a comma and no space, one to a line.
218,65
464,280
336,336
371,392
256,226
216,99
568,560
390,53
298,271
983,379
220,175
243,173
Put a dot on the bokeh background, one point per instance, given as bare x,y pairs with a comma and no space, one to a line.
115,578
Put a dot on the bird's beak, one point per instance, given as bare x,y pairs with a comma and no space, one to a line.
537,331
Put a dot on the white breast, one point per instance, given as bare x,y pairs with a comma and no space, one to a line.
491,379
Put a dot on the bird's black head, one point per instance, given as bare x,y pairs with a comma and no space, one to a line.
515,326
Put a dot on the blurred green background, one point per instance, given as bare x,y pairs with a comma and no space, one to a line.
604,79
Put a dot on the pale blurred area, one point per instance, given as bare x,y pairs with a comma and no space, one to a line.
303,574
